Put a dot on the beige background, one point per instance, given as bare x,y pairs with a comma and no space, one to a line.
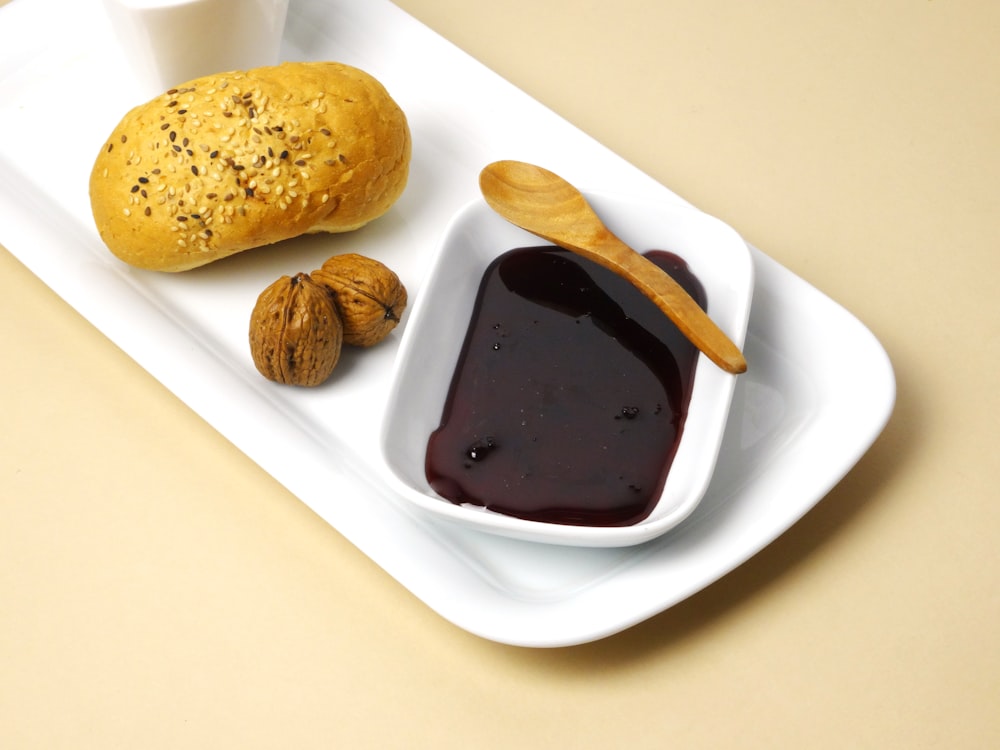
147,602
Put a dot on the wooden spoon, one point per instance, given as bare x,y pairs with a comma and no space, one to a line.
544,204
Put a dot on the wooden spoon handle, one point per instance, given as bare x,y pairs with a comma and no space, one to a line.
670,297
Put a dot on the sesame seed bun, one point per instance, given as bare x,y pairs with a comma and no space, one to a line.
237,160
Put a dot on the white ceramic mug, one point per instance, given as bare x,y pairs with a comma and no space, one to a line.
171,41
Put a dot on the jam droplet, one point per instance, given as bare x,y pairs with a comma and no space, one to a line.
480,449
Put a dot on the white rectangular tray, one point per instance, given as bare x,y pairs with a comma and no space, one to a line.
802,416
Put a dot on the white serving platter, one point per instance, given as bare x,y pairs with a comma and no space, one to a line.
801,417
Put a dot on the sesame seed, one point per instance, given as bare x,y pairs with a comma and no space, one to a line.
143,180
148,211
127,212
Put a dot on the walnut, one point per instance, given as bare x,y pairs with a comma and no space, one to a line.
370,297
295,332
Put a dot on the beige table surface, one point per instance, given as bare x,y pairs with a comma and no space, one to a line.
857,143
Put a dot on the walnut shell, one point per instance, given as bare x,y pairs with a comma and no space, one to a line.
295,332
370,297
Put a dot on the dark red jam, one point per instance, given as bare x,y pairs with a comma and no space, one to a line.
569,396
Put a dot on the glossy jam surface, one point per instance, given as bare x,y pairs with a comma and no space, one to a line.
569,396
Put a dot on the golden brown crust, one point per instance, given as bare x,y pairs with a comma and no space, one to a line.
238,160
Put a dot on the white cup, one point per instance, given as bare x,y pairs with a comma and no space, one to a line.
167,42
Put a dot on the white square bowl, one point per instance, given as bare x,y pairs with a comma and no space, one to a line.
439,319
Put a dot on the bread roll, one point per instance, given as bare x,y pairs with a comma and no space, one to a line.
237,160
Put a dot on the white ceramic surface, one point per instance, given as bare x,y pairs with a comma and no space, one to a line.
168,42
430,348
801,416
